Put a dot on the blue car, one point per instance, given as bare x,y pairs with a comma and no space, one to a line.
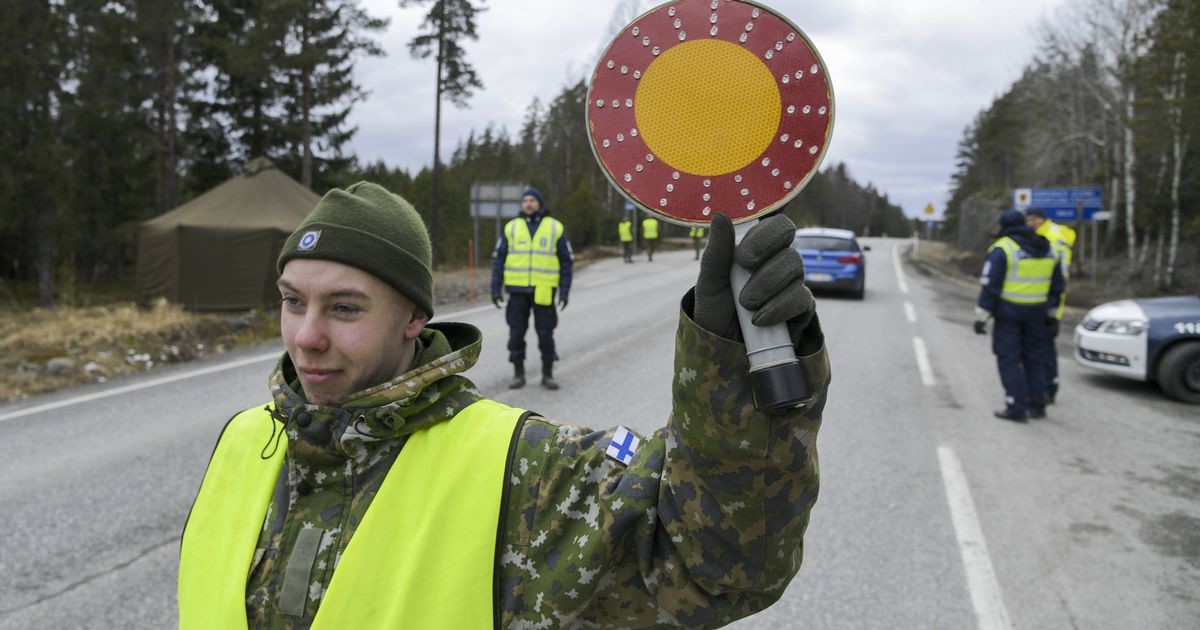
833,259
1150,339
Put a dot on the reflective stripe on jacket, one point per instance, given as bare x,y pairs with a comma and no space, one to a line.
649,228
1026,279
424,555
625,229
532,259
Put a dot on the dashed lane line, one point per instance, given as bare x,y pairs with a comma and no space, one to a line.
923,365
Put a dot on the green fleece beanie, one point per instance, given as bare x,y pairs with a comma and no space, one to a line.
367,227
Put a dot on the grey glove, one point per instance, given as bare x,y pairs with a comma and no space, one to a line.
776,286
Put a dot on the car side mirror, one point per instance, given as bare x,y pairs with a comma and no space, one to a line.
866,248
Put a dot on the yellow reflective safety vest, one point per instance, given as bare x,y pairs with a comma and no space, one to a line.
424,555
1062,239
625,229
532,259
1026,279
696,232
649,228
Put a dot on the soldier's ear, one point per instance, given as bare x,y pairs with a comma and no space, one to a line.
416,324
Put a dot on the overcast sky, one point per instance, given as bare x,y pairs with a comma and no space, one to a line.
908,77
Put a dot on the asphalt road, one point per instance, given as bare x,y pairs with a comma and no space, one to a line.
932,514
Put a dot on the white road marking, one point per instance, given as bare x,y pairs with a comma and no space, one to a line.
923,365
910,312
982,584
899,269
135,387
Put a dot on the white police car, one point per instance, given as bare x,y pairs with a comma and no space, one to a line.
1151,339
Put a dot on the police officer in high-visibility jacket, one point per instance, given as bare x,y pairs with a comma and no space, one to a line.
532,262
650,236
1022,284
625,231
1062,239
697,236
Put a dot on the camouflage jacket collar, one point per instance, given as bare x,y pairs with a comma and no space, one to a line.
429,393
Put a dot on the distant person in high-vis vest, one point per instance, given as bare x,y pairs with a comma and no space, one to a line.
377,488
1062,239
697,236
650,236
1022,282
625,232
532,262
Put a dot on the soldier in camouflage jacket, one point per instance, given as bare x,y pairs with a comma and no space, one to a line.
703,526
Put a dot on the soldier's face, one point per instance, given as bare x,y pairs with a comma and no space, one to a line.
530,205
1033,221
344,329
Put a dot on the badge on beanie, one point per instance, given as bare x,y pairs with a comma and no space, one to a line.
309,240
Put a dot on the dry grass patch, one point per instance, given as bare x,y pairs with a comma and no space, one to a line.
42,350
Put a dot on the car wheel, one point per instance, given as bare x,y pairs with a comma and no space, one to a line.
1179,372
861,290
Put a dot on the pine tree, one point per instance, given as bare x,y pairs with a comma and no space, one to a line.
327,37
446,25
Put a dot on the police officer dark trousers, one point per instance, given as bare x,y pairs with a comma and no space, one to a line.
1022,282
532,262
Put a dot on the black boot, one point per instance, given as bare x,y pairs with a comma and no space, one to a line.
518,380
548,376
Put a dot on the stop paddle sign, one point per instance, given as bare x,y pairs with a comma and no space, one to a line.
706,106
703,106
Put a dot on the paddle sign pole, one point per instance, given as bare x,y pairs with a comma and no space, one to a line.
705,106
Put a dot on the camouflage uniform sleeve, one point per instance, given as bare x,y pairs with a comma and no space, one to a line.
703,527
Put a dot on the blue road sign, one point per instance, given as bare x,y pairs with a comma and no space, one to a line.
1061,204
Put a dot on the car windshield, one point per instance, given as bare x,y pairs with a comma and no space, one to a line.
824,242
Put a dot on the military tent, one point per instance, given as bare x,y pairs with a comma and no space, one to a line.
218,250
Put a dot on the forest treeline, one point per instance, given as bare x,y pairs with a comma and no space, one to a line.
115,111
1111,100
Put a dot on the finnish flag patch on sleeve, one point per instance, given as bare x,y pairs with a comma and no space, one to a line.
623,445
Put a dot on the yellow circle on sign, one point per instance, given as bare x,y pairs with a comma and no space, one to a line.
707,107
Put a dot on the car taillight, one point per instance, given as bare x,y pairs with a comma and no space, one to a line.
852,259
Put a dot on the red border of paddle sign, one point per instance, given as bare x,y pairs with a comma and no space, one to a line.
768,181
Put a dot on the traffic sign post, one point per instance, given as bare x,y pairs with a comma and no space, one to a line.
494,200
1064,205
